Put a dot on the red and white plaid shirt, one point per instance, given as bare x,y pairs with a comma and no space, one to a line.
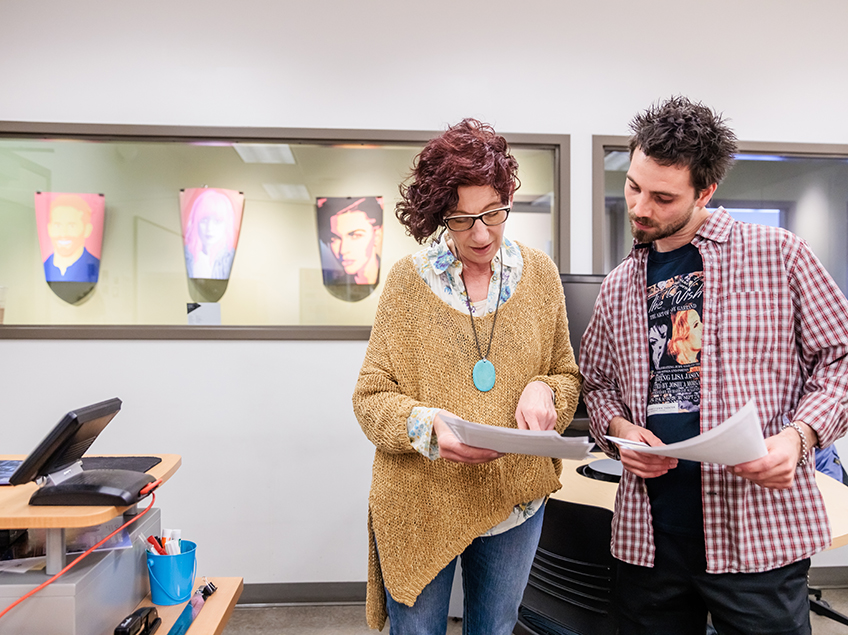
775,329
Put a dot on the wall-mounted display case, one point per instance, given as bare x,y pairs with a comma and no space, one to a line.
276,287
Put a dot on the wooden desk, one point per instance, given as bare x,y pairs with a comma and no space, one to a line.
836,502
577,488
17,513
214,615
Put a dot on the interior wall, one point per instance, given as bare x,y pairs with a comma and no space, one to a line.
275,470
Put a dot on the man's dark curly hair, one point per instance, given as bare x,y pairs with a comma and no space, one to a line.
681,133
469,153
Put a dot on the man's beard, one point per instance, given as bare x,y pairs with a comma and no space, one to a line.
658,232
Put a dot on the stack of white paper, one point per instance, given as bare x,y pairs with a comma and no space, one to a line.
512,441
737,440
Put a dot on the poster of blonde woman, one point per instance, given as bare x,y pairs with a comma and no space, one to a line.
70,235
211,222
675,333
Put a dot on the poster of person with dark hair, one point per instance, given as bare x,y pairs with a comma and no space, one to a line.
70,235
211,222
350,234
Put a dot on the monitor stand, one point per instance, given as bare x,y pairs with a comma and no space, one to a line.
74,486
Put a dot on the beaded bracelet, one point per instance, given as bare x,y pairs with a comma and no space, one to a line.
802,461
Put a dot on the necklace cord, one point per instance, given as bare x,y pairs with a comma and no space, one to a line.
494,319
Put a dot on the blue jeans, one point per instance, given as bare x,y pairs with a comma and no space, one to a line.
494,573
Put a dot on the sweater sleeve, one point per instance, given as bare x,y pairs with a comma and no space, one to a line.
378,403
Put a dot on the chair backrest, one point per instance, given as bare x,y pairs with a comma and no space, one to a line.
570,585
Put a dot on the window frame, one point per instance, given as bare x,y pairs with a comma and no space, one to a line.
560,145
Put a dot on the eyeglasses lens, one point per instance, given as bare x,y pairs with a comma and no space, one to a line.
464,223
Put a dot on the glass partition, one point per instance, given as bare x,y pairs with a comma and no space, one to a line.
277,259
803,188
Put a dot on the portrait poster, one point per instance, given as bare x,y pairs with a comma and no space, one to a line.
350,237
70,235
675,333
211,222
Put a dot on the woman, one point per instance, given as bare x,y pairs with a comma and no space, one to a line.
473,325
686,334
353,233
210,237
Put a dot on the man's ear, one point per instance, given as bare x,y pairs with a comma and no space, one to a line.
706,195
88,229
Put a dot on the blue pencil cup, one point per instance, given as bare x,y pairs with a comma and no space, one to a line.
172,577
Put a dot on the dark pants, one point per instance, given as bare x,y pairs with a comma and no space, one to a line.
674,596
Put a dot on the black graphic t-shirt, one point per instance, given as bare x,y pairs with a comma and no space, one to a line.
675,308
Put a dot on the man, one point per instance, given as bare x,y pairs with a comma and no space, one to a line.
69,226
763,320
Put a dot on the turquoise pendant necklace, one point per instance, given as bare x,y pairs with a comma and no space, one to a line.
484,371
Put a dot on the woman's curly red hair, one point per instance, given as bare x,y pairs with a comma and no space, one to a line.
469,153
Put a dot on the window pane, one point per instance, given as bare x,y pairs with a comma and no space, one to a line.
765,216
276,275
807,195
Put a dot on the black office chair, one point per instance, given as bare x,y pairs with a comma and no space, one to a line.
570,586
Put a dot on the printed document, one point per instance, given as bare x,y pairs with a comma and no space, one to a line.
512,441
737,440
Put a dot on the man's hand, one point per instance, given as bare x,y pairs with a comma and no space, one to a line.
536,409
776,469
639,463
452,449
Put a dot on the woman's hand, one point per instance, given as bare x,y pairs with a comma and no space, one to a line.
536,409
639,463
452,449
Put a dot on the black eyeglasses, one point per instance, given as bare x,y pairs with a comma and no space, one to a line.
491,218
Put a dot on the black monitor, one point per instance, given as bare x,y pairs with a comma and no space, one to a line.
581,291
57,460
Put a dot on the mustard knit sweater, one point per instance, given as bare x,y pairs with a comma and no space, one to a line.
424,513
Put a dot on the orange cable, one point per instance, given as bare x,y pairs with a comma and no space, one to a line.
80,557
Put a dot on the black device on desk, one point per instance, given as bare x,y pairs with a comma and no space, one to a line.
581,291
143,621
57,460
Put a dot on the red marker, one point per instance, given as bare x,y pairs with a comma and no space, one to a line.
156,545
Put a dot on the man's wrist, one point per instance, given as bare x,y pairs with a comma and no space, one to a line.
803,441
616,426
